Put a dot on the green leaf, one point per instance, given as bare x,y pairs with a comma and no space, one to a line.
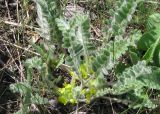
21,87
110,54
148,39
61,60
122,16
134,57
152,34
156,57
76,39
63,25
127,81
48,11
153,21
37,99
35,62
150,52
120,67
151,80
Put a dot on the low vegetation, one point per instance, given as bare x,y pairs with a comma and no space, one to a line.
121,62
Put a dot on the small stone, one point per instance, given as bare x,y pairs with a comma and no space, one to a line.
33,108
